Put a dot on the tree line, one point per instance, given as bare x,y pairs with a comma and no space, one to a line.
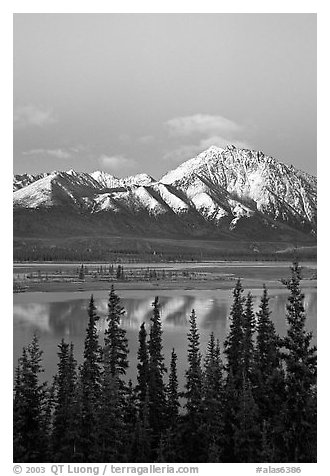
252,401
127,251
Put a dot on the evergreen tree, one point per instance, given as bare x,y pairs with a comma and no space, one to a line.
194,382
262,408
168,448
111,411
47,424
268,379
247,433
213,369
142,449
29,408
130,420
143,366
268,449
300,360
213,396
172,393
194,372
64,426
90,389
169,443
115,350
157,393
234,350
110,422
248,333
231,407
267,355
19,412
234,340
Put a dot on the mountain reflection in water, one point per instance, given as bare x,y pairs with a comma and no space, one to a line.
68,318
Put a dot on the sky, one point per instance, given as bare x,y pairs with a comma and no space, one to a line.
133,93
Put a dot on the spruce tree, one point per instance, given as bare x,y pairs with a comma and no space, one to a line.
194,405
231,407
30,405
143,366
115,350
267,355
234,340
247,431
167,450
111,411
233,385
268,380
47,425
213,370
90,389
194,372
130,420
213,400
19,410
110,423
142,448
173,393
300,360
64,425
157,391
248,334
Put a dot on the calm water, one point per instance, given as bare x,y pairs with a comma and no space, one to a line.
56,315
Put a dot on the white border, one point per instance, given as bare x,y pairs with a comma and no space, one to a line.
170,6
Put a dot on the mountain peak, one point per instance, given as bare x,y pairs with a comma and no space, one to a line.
72,172
220,188
214,150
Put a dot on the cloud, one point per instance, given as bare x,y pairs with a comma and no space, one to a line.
124,138
146,140
116,162
30,115
183,152
222,142
201,124
187,151
207,130
58,153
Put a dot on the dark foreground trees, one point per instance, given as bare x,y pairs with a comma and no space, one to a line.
89,391
30,409
300,363
254,403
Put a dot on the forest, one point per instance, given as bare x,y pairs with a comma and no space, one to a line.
254,400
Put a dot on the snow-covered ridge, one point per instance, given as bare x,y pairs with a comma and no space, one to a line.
20,181
221,186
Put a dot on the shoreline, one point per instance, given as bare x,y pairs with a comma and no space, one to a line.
163,286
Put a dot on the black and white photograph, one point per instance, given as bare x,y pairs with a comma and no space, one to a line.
164,240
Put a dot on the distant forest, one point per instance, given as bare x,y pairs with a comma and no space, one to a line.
252,401
136,250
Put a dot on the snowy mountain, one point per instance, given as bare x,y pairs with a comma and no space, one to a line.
23,180
227,190
241,182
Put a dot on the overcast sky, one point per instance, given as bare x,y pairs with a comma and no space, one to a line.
129,93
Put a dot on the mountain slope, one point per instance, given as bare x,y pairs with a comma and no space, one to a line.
231,192
240,176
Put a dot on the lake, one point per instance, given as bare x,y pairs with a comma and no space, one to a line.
54,315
